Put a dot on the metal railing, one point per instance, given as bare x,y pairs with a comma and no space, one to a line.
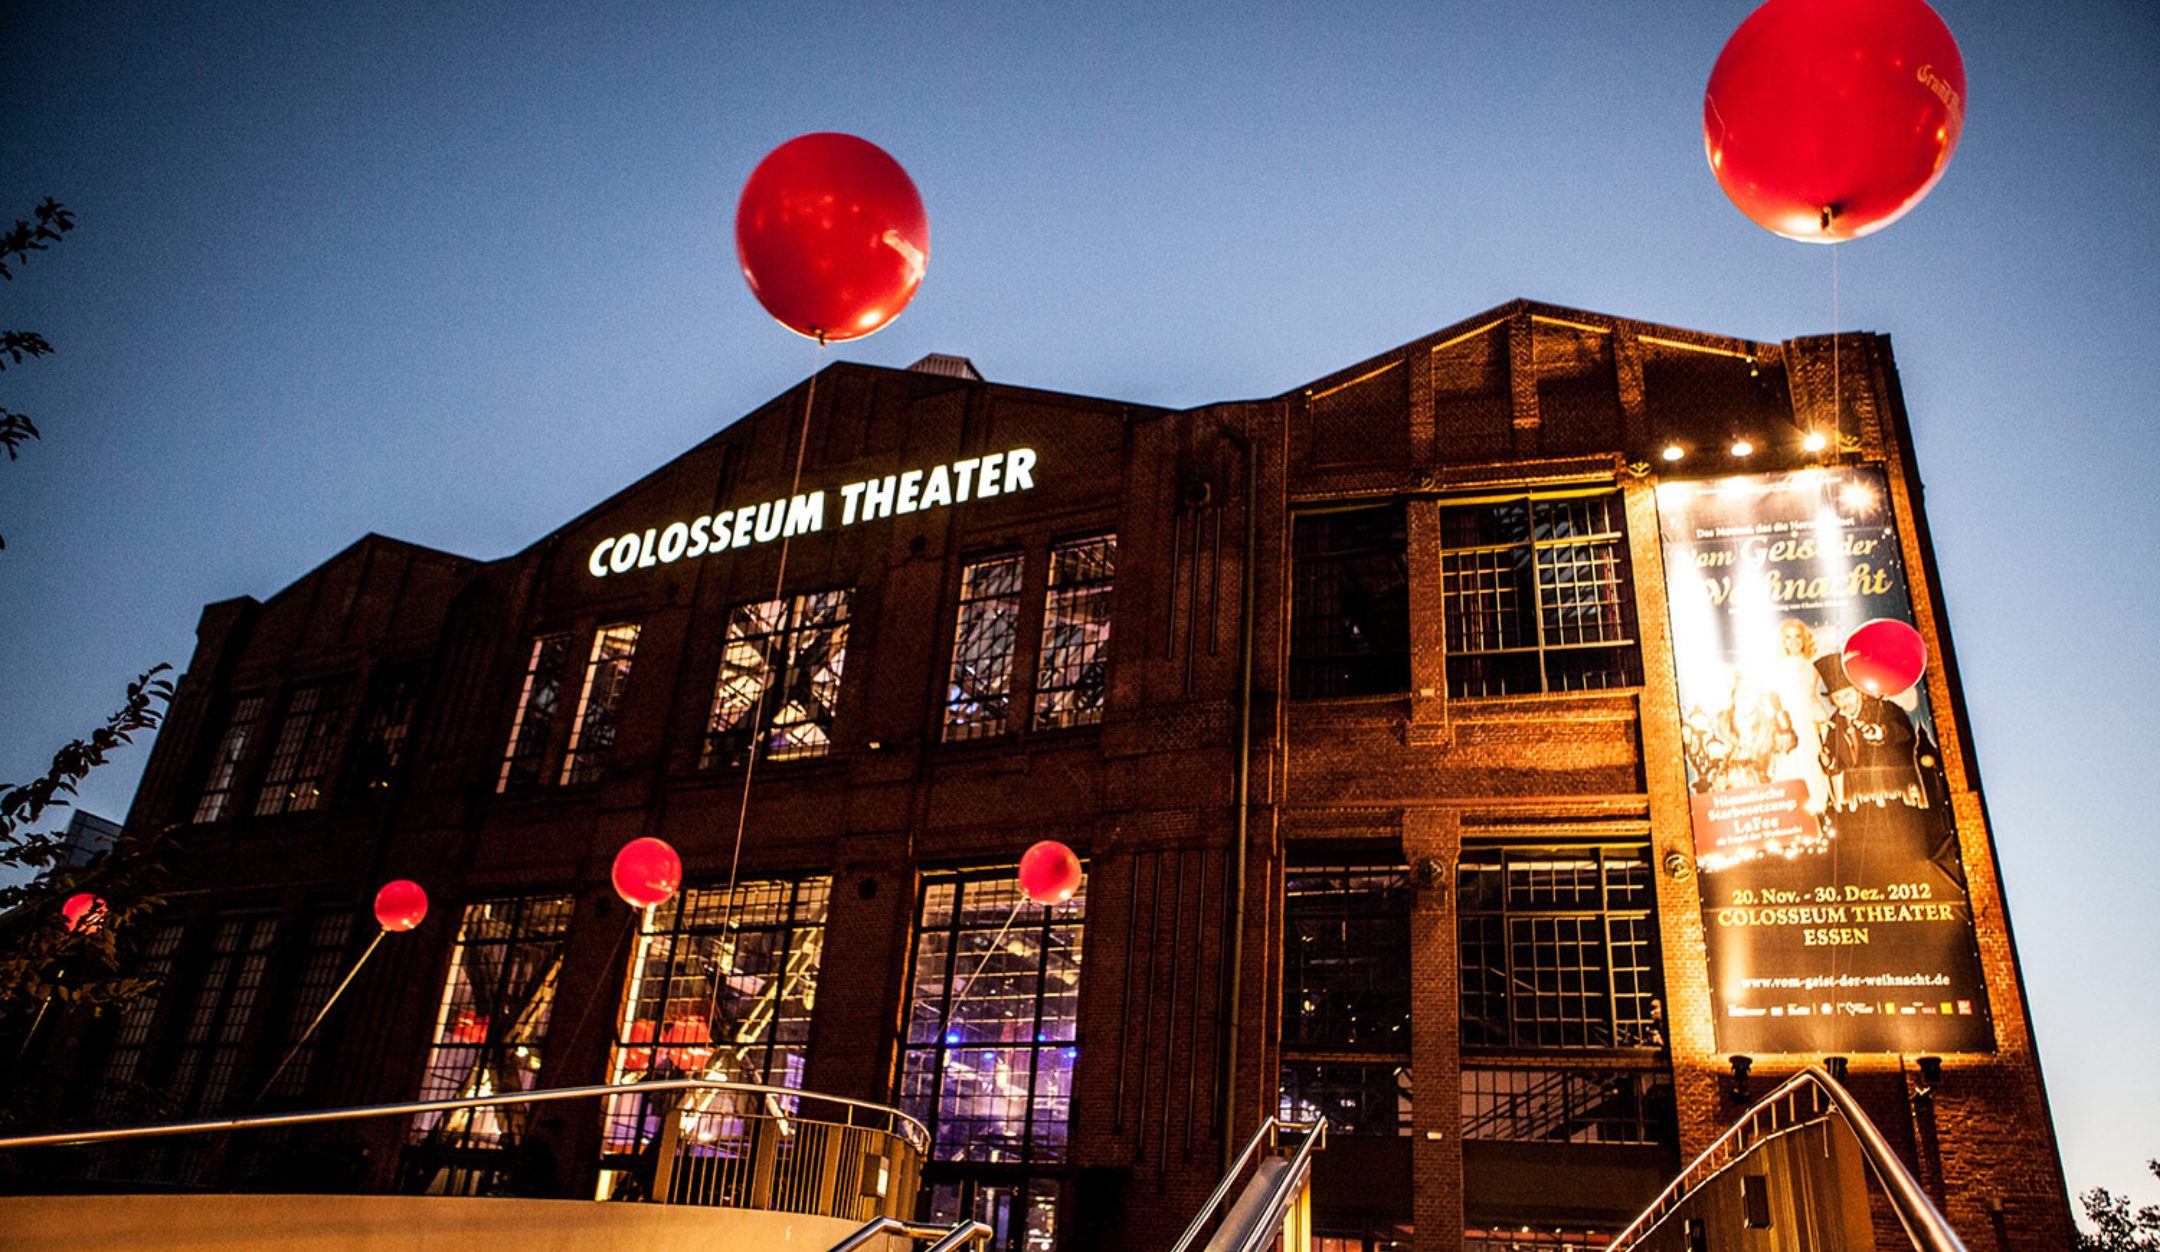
1287,1190
949,1238
1808,1098
745,1145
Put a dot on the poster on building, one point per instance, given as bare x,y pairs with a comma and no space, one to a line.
1835,912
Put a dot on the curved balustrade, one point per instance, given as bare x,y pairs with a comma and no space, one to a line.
1809,1098
742,1145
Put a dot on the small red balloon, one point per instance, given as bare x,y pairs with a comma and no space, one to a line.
1049,872
400,905
83,913
1884,657
646,872
1826,120
832,236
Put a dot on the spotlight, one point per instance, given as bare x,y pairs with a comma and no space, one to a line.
1674,452
1816,441
1741,447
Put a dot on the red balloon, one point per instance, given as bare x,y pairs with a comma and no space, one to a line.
83,912
646,872
1049,872
1826,120
832,236
1884,657
400,905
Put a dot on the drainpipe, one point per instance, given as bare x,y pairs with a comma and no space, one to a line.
1236,995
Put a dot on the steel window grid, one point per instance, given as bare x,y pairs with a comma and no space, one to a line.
592,730
1552,590
223,781
323,957
954,906
794,912
534,722
1328,555
1558,961
501,944
314,714
223,1009
1071,681
986,633
1514,1103
803,639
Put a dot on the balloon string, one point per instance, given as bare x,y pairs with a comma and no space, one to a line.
953,1005
757,710
321,1013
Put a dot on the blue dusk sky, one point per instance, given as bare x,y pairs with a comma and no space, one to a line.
454,273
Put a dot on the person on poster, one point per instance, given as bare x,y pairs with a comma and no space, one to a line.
1797,684
1869,747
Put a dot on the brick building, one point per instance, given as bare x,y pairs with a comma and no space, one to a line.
1402,635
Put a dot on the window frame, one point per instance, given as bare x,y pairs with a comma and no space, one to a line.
779,649
1314,1057
1637,1035
952,729
1096,599
595,724
1457,606
1312,675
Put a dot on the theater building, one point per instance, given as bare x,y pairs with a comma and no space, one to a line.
1474,746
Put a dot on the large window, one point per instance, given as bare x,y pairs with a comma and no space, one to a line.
721,986
534,722
322,961
980,693
993,1018
300,758
223,780
1527,1104
1346,998
1558,948
1071,680
493,1020
222,1010
123,1064
992,1036
1538,596
592,732
385,727
779,678
1349,603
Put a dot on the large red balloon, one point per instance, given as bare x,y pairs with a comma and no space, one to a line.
400,905
1884,657
832,236
83,912
1827,120
646,872
1049,872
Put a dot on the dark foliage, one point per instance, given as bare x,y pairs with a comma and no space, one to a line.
2116,1228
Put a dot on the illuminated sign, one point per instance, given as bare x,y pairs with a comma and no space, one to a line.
872,499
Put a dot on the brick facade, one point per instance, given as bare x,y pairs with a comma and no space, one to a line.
1524,397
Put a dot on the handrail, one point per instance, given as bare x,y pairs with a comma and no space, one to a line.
1924,1224
960,1236
967,1232
1315,1130
1222,1189
1287,1187
913,1130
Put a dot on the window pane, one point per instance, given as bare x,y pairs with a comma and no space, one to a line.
232,750
1356,1097
804,641
1346,997
988,628
1537,597
1567,1105
493,1021
1071,681
991,1031
379,744
721,986
300,758
534,722
592,734
1557,948
1350,603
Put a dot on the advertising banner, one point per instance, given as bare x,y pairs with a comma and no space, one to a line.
1834,905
